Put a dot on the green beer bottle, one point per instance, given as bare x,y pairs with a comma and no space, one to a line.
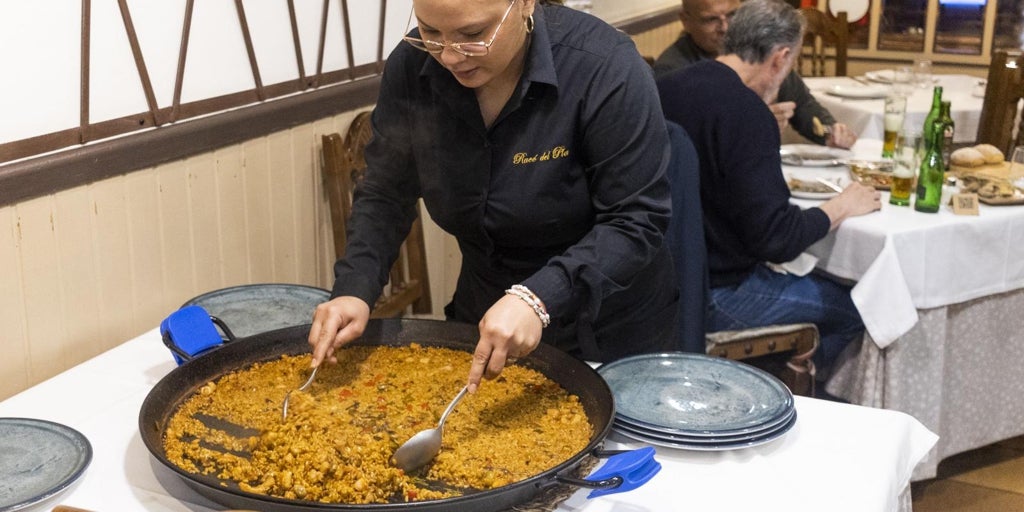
933,115
932,173
948,130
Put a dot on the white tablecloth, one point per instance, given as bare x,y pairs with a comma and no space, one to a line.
942,296
865,116
958,371
838,457
903,260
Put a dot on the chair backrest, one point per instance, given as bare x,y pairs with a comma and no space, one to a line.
1003,90
824,35
685,239
784,351
344,166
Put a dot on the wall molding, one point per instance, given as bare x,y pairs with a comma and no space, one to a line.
48,174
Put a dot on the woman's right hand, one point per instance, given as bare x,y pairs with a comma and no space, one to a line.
510,329
336,323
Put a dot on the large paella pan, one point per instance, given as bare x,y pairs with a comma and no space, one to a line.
573,375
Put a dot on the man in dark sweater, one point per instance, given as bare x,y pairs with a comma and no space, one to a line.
705,23
748,218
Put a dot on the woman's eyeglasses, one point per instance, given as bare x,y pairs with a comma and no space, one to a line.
472,49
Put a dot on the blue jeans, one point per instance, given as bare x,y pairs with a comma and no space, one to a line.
769,298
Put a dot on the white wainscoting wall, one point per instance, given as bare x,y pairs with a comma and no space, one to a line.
90,267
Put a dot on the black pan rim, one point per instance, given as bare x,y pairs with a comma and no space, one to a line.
206,364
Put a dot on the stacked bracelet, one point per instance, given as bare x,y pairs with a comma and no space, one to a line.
534,302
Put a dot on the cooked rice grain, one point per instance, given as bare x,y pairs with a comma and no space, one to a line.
336,444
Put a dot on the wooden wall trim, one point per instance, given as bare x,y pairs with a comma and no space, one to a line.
649,21
48,174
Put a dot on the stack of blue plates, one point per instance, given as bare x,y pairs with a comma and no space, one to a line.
697,402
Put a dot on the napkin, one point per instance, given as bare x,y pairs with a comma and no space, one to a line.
799,266
883,299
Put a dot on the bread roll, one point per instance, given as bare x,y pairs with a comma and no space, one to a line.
967,157
991,153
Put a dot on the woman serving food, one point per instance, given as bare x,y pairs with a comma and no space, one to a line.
534,135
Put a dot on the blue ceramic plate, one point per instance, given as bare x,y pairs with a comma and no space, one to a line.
741,435
255,308
694,394
713,445
38,459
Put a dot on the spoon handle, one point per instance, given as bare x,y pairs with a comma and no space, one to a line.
452,405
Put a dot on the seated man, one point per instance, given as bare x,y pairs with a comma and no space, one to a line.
748,218
705,23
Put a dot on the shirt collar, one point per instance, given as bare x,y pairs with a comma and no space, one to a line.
539,65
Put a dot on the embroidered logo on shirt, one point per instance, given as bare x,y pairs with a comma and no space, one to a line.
551,154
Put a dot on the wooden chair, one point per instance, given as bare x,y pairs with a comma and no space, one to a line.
824,35
782,350
344,165
1003,90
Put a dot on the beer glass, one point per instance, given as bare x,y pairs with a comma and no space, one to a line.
903,81
1017,162
923,73
905,163
895,110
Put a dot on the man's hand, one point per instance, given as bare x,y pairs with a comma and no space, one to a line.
783,110
840,136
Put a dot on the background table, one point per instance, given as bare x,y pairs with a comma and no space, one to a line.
942,297
837,456
865,116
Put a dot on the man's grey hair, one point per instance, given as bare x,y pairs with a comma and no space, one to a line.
760,27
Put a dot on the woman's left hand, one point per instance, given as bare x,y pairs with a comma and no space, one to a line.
509,329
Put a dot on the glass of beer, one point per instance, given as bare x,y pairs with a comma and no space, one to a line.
904,168
903,81
895,111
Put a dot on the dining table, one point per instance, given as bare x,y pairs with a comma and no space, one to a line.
837,456
859,102
941,296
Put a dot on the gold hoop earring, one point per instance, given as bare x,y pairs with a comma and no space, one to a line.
529,25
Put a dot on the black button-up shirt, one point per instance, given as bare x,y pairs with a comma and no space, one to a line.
565,193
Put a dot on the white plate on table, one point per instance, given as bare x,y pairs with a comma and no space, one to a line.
813,155
807,186
860,92
882,76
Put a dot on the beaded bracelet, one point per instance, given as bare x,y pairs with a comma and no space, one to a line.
532,300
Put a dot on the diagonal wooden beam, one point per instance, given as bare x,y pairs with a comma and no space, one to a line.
323,42
179,76
348,38
83,98
244,23
380,35
298,46
140,64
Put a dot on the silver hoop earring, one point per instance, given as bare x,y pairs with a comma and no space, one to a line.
529,25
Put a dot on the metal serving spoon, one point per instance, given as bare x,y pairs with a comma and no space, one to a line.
287,396
423,447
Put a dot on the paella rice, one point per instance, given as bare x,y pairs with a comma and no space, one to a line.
336,443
